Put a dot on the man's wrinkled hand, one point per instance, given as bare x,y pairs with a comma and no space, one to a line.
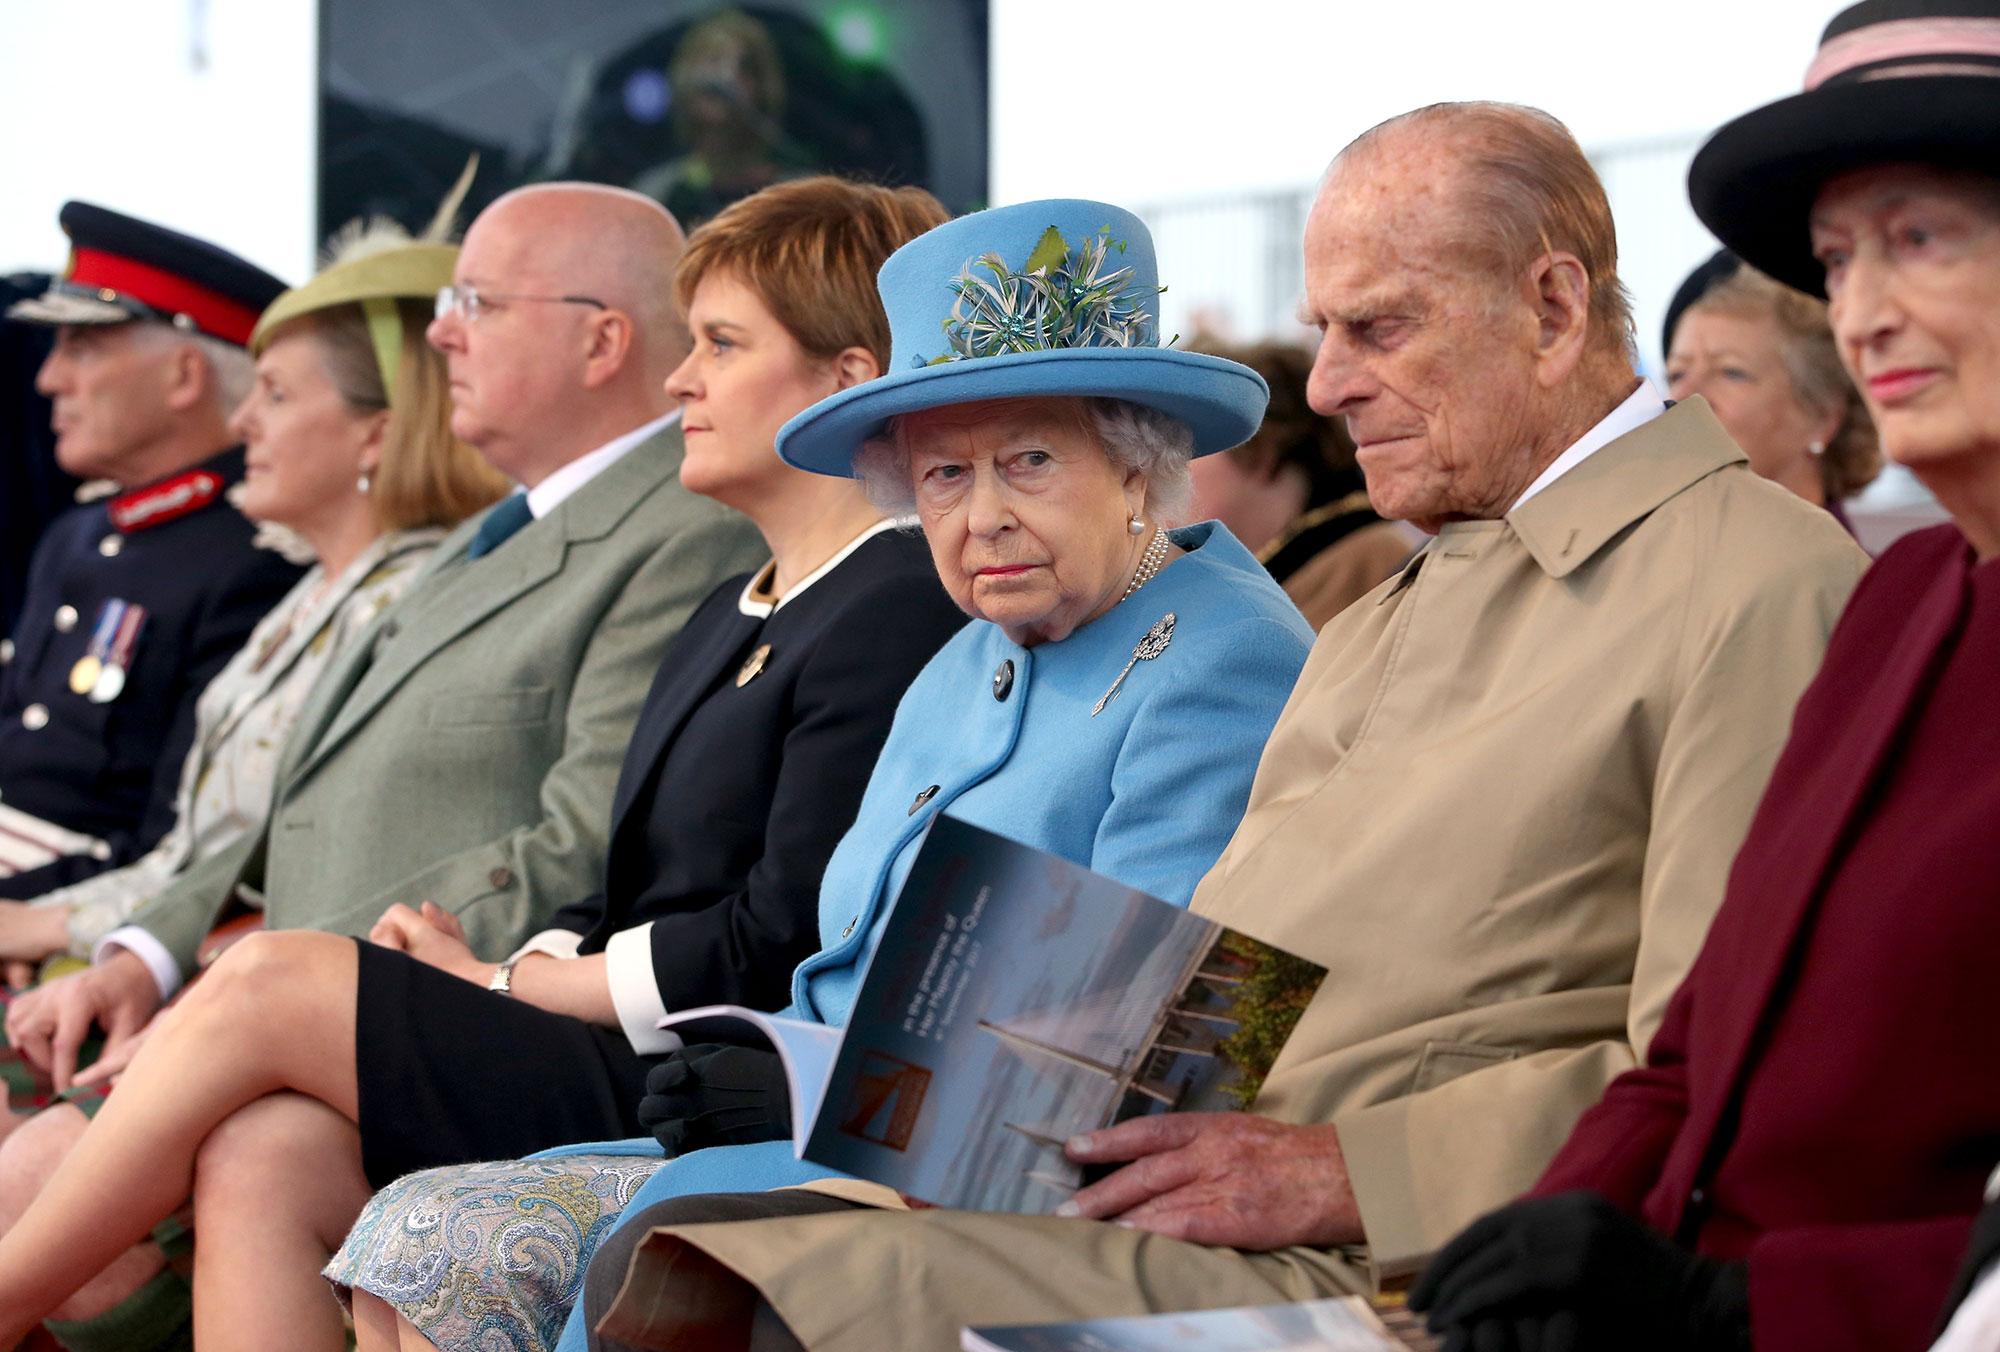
433,936
48,1025
1225,1179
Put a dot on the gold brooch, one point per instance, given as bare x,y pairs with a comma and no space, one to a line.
753,665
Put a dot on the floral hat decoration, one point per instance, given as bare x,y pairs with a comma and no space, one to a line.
1042,299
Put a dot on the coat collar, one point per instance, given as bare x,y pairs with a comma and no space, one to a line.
1567,523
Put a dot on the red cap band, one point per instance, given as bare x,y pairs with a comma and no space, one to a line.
212,312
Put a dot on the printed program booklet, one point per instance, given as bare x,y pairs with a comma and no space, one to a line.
1344,1324
1015,1000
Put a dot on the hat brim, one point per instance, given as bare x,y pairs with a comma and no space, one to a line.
1221,401
1755,181
54,308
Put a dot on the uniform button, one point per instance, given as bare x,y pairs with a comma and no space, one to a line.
850,927
1698,1198
501,877
6,651
110,545
65,619
1003,679
921,799
35,717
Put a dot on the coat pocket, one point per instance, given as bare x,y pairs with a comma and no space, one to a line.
491,708
1442,1062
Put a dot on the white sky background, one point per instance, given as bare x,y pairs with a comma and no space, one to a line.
1236,94
1140,101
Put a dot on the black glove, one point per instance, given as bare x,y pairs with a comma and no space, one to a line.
715,1095
1573,1274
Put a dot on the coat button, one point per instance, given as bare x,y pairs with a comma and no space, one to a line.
1003,679
35,717
1697,1199
110,546
6,651
921,799
65,619
501,877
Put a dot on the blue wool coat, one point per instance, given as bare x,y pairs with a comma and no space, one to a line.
1146,792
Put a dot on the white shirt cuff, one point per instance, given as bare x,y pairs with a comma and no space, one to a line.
142,945
557,943
628,968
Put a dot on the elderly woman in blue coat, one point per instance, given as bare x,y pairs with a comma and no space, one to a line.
1110,708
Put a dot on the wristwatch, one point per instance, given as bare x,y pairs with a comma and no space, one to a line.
502,980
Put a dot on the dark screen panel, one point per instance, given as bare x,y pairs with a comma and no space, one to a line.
693,103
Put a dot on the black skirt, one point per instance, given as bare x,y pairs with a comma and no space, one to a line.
449,1073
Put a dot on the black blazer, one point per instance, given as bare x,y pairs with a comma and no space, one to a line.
733,796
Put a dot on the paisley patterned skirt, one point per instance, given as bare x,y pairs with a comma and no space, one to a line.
488,1257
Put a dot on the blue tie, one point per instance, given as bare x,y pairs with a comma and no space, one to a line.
500,523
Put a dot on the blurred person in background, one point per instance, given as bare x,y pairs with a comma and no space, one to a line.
1764,358
1798,1165
134,603
1294,496
348,445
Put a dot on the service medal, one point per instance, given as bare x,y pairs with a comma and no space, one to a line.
83,676
110,685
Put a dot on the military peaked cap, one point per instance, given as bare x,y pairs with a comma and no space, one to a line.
122,268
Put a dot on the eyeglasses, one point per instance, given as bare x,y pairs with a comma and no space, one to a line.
469,302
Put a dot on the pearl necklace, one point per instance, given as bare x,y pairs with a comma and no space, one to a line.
1149,562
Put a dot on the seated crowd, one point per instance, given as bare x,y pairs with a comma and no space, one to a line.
487,649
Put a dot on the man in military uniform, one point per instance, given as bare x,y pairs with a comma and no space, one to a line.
134,602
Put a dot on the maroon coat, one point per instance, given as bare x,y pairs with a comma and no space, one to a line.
1823,1097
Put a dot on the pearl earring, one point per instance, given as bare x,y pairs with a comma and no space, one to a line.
1816,448
1137,525
363,483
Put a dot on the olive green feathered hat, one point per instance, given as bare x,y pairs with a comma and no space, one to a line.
375,264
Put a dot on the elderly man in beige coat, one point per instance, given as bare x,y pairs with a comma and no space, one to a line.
1499,808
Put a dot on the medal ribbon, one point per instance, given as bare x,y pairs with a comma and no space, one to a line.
108,620
128,636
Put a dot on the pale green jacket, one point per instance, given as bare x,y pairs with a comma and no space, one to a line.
465,750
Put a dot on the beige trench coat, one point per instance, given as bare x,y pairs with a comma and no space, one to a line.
1500,807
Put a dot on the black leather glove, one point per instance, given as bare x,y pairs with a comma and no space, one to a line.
1573,1274
716,1095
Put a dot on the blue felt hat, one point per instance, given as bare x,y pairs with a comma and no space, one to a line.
1042,299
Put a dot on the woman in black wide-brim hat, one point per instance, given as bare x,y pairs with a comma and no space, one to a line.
1799,1164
